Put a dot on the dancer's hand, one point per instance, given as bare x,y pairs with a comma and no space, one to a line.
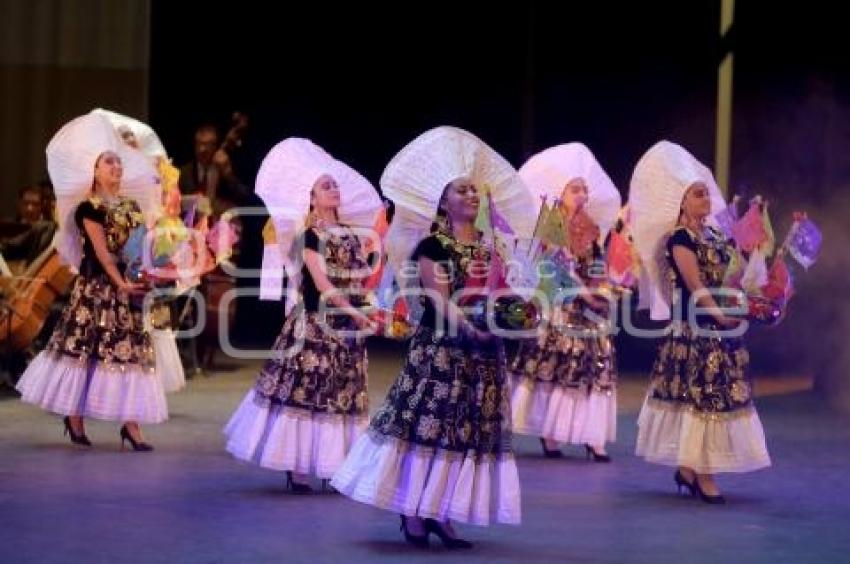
132,288
363,322
728,323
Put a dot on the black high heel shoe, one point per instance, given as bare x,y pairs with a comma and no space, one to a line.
550,453
591,453
434,526
327,488
712,499
681,482
419,541
80,439
296,487
138,446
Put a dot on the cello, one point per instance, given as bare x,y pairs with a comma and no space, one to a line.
29,298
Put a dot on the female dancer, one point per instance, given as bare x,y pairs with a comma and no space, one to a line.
698,414
310,402
99,361
439,449
565,381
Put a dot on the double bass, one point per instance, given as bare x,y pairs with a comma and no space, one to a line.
207,194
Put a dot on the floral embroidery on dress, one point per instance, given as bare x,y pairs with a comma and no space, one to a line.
315,368
450,394
706,373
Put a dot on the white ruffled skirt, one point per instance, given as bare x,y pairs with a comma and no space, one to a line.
427,482
168,363
708,443
564,414
291,439
68,386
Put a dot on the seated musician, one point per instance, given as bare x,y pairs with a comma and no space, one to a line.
37,229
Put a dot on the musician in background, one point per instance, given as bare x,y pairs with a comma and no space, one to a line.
38,228
48,201
30,208
210,186
211,173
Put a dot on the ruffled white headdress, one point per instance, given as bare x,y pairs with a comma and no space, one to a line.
659,183
417,176
71,157
285,181
547,172
146,137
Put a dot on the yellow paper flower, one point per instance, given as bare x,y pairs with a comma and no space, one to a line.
169,174
269,233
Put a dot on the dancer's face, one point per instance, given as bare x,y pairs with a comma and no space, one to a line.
325,194
696,203
574,196
108,171
460,200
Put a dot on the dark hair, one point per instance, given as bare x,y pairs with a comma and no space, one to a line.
31,188
205,127
442,216
390,207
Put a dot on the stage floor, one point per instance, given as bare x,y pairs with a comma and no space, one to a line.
191,502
